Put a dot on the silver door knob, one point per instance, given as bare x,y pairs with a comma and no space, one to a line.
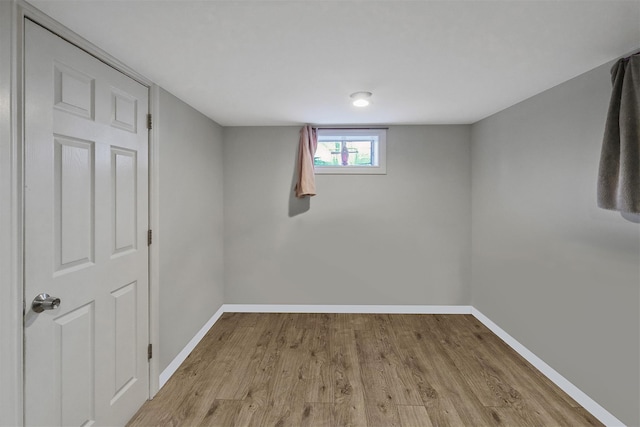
44,302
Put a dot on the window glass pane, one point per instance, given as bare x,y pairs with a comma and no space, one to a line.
360,153
347,151
327,153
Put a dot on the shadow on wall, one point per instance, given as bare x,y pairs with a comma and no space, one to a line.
631,217
297,206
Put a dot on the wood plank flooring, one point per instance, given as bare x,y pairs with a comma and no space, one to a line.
259,369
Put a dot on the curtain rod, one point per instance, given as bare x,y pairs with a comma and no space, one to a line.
363,128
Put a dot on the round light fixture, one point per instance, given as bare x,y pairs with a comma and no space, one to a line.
361,99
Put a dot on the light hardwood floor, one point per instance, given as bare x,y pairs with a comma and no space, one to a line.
258,369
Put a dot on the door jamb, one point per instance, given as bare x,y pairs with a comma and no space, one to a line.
14,351
154,249
11,358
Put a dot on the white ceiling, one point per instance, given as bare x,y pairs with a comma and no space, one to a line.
266,62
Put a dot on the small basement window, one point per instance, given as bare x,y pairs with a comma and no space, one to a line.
351,151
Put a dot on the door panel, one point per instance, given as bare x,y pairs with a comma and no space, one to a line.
123,176
74,332
74,219
86,217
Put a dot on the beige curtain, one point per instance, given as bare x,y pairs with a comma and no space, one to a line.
306,185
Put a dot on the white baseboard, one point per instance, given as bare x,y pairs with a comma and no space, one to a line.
589,404
578,395
384,309
177,361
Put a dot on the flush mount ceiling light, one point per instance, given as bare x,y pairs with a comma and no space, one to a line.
361,99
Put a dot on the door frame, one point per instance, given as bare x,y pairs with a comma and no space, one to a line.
12,17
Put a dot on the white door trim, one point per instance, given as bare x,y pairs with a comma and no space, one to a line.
10,221
27,10
12,16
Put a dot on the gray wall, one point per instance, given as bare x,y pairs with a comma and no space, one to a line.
400,238
553,270
191,223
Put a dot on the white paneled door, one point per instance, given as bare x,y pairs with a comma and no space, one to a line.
86,220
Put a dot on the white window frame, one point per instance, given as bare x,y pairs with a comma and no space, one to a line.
381,169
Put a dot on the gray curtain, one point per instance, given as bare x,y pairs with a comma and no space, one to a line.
619,175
